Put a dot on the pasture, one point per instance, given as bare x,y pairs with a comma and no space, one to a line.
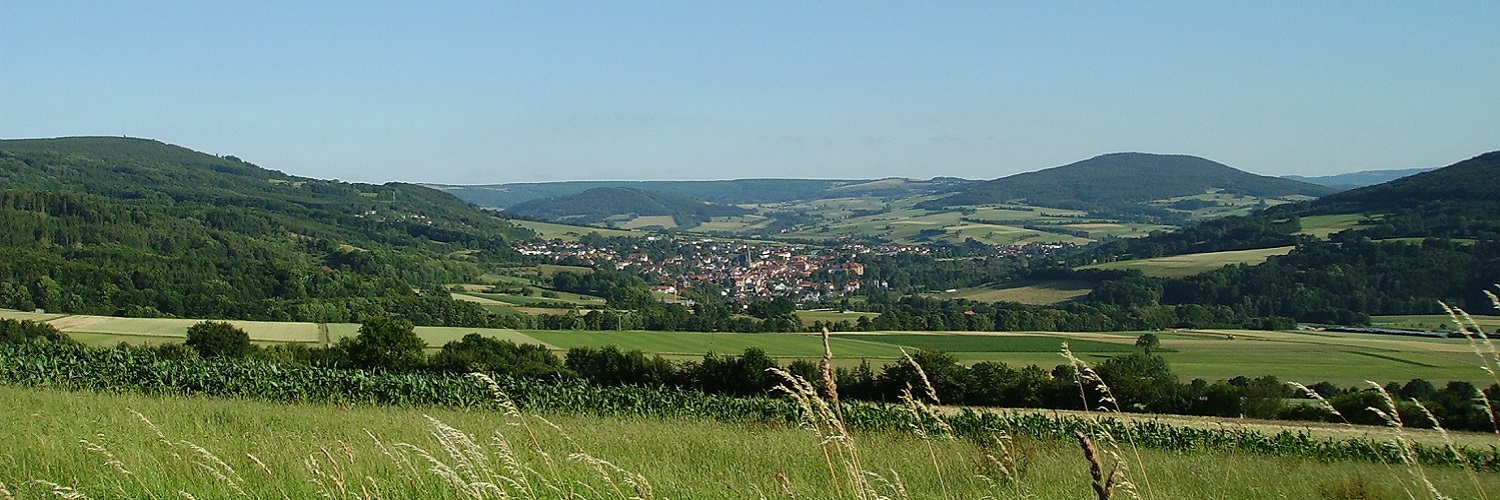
569,232
1433,322
1346,359
221,448
808,317
1322,226
1178,266
1027,292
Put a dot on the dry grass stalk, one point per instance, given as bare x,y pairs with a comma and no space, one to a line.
60,491
1322,403
922,413
5,493
609,471
1408,452
1484,348
1452,447
1107,403
1104,486
830,377
824,422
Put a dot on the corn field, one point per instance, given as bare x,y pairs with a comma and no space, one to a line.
140,371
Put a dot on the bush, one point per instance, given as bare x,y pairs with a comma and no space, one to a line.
24,331
388,343
213,339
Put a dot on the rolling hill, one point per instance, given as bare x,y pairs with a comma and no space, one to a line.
1359,179
724,192
1418,240
1125,184
121,226
598,204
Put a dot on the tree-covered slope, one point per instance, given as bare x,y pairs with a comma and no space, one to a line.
598,204
131,226
1122,184
1456,201
1424,238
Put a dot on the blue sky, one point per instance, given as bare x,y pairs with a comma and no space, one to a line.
490,91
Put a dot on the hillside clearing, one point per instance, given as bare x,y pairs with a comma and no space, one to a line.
1178,266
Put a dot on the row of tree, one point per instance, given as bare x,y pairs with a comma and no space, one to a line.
1136,382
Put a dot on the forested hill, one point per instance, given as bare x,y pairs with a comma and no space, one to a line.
1430,237
1122,184
1455,201
111,225
597,204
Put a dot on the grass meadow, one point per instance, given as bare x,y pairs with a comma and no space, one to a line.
569,232
123,445
1027,292
1178,266
1346,359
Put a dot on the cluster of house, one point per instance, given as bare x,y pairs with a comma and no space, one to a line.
743,271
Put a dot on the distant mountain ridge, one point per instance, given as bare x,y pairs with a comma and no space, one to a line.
1359,179
1123,183
597,204
724,192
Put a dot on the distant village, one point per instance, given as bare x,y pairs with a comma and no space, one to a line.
742,271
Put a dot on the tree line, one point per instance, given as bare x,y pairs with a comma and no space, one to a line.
1137,381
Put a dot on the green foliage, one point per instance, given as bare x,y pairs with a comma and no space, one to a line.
144,371
385,343
26,331
1456,201
477,353
216,338
127,226
1147,342
1120,184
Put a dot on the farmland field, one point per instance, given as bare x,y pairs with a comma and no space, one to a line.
1345,359
1323,225
1178,266
278,450
664,221
568,232
808,317
1034,292
1432,322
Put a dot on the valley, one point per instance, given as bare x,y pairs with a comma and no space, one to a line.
1200,299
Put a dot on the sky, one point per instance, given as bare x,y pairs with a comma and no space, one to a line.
500,91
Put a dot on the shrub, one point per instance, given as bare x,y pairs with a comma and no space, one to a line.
213,339
388,343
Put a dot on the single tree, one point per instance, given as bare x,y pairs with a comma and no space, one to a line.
1147,342
389,343
213,339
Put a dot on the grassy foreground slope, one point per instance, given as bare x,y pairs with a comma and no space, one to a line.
112,445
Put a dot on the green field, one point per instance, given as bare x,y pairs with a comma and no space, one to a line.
1322,226
1345,359
128,445
1433,322
1178,266
1029,292
808,317
993,343
569,232
780,345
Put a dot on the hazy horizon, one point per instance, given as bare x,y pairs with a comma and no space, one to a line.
488,93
